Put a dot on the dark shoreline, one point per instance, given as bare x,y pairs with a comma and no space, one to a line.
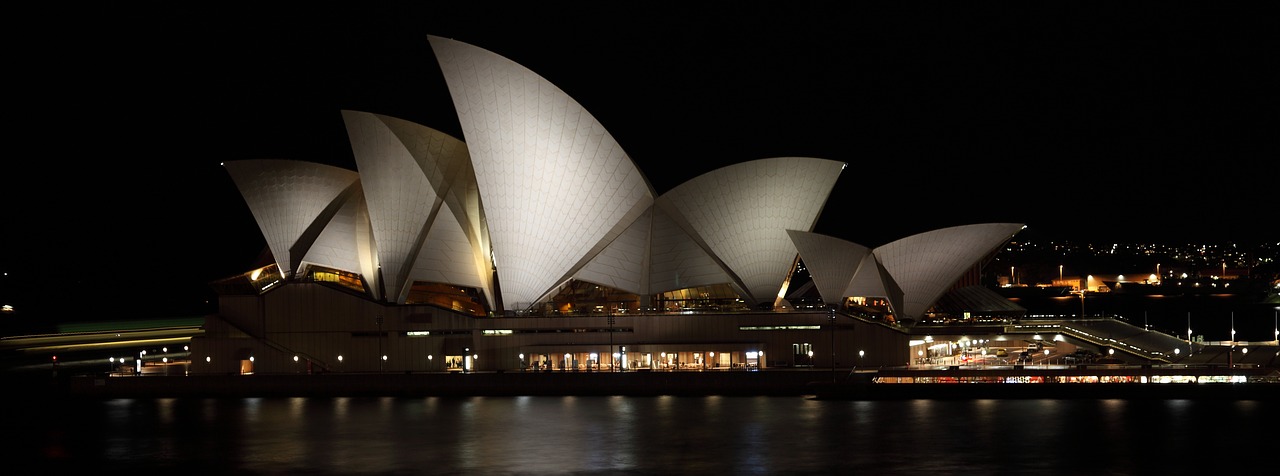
1065,391
737,383
821,385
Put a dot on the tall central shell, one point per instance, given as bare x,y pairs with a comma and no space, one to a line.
554,183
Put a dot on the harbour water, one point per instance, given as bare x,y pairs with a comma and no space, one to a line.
639,435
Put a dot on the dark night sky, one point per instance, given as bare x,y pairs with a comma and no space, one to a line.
1089,122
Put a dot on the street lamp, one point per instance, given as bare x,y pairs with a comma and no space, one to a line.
613,360
379,321
1190,348
831,315
1233,328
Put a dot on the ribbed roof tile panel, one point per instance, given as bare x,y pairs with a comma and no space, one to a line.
677,261
928,264
831,262
337,246
446,255
553,181
867,280
742,212
399,197
621,264
872,280
286,196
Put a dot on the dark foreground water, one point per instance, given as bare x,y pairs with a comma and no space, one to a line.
639,435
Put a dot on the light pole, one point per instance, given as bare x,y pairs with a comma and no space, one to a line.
613,362
1059,275
1231,353
381,357
1233,328
831,316
1190,349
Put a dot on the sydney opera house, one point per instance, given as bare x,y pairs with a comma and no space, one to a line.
535,242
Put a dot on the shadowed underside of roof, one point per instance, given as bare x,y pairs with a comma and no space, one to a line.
977,299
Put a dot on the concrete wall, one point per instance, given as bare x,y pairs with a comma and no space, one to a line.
317,324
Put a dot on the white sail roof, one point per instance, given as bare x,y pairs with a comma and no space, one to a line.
554,183
926,265
740,214
542,193
292,201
